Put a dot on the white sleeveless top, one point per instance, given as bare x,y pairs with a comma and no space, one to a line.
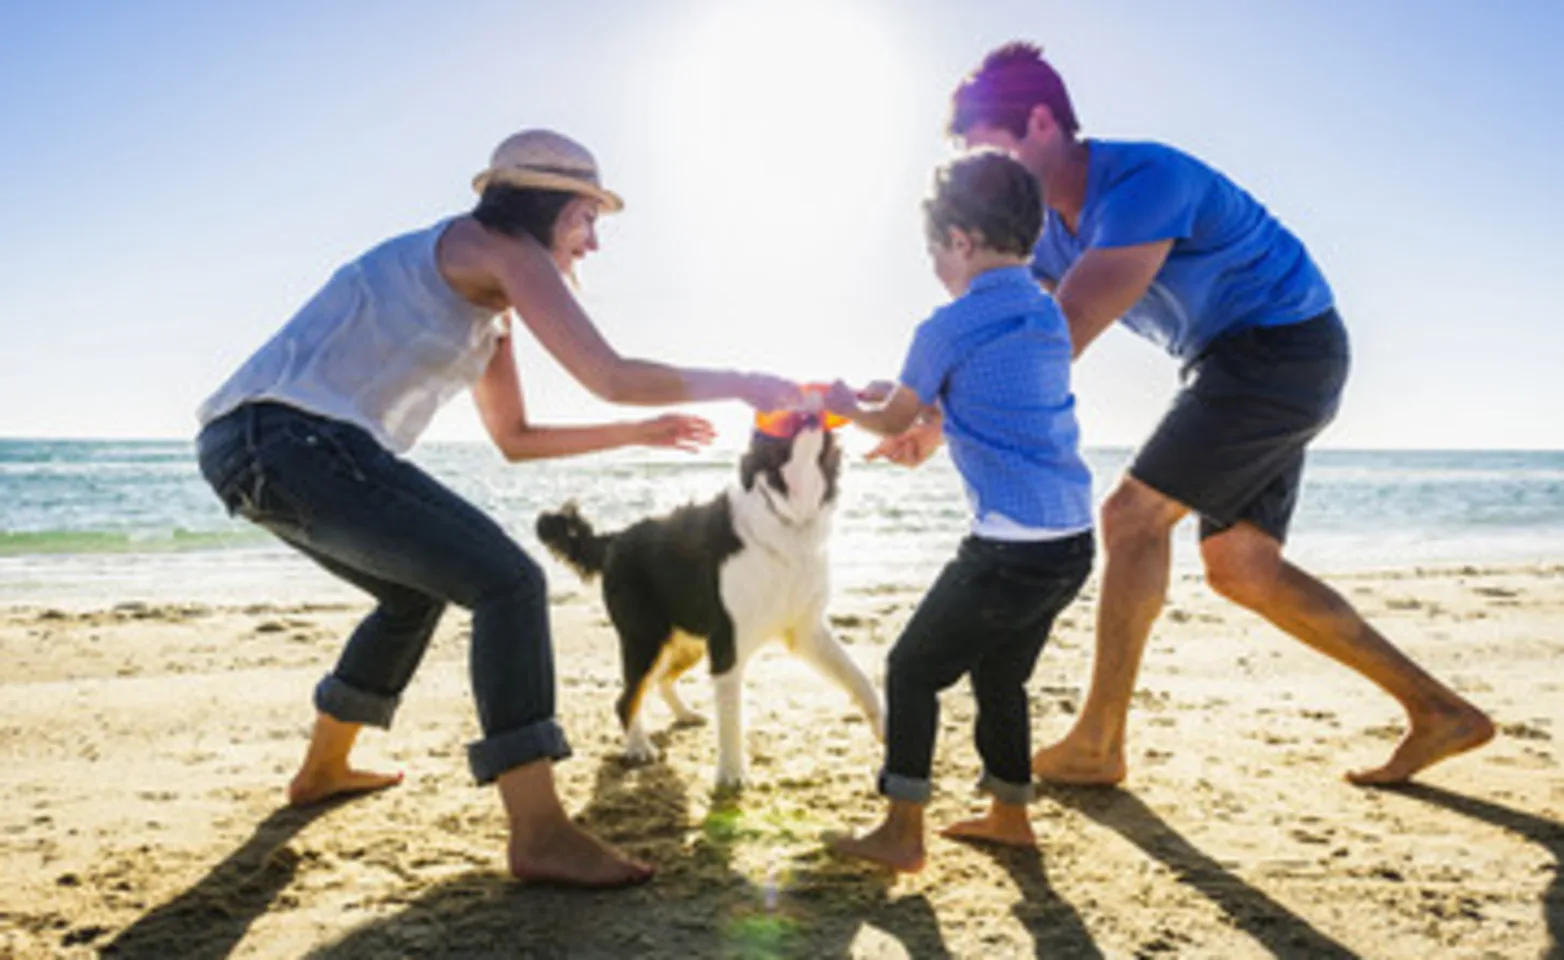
382,346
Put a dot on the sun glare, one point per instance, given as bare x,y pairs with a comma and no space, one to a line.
793,124
805,93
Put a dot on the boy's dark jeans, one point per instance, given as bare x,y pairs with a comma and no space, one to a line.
331,491
988,615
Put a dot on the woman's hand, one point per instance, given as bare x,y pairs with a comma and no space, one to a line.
765,392
912,446
676,430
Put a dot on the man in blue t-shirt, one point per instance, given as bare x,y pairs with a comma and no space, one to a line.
1148,234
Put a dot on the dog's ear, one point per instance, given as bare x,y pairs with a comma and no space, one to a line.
766,455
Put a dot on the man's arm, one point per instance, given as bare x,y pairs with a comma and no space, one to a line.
1104,284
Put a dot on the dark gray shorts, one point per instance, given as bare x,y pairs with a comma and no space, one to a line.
1231,448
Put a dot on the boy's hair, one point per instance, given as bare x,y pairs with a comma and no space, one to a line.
1003,90
514,211
988,194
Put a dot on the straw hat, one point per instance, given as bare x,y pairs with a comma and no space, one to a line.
548,161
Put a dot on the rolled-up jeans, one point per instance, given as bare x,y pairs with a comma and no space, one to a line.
331,491
987,618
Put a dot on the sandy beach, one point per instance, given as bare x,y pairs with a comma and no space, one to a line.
146,747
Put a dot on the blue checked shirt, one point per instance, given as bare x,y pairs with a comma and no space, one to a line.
997,362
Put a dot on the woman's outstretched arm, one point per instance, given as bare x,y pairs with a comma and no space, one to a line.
532,284
503,410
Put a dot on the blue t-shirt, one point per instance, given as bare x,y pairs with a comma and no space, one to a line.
997,362
1232,264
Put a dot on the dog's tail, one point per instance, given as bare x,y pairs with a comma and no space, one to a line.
571,538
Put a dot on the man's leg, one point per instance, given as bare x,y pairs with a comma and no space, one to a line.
1137,526
1245,564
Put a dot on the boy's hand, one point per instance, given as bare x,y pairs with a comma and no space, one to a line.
877,392
911,447
676,430
842,400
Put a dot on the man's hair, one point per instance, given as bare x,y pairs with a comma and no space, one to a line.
988,194
516,211
1003,90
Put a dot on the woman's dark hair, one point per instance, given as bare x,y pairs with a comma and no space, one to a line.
988,194
1003,90
515,211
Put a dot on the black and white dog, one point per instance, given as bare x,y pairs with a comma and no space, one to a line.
736,572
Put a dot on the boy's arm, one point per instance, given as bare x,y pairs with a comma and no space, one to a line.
900,411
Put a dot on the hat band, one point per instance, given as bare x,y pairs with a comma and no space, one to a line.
575,173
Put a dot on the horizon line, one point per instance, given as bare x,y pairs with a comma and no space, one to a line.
718,447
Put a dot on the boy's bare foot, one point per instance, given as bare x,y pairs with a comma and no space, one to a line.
882,847
1433,736
569,855
1065,762
1003,824
315,785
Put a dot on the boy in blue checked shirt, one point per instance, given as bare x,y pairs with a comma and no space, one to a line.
994,366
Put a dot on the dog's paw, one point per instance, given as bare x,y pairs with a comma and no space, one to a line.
639,754
690,718
730,781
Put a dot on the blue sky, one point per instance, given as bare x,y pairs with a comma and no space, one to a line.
175,178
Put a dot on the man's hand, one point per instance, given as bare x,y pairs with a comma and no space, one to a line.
913,446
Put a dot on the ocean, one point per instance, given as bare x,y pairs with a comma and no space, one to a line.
103,522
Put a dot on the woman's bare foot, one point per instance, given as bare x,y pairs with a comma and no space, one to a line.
315,785
569,855
1066,762
880,846
1004,823
325,772
546,846
1433,736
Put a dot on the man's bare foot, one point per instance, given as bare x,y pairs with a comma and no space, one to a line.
1008,826
315,785
566,854
1433,737
882,847
1064,762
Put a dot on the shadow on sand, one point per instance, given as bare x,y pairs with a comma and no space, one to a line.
1278,929
697,906
1548,834
208,920
1056,928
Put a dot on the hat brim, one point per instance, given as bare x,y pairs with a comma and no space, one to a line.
611,201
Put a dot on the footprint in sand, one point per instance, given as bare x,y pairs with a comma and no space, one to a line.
1502,593
1525,731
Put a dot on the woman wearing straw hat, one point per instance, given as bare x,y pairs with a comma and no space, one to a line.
305,440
